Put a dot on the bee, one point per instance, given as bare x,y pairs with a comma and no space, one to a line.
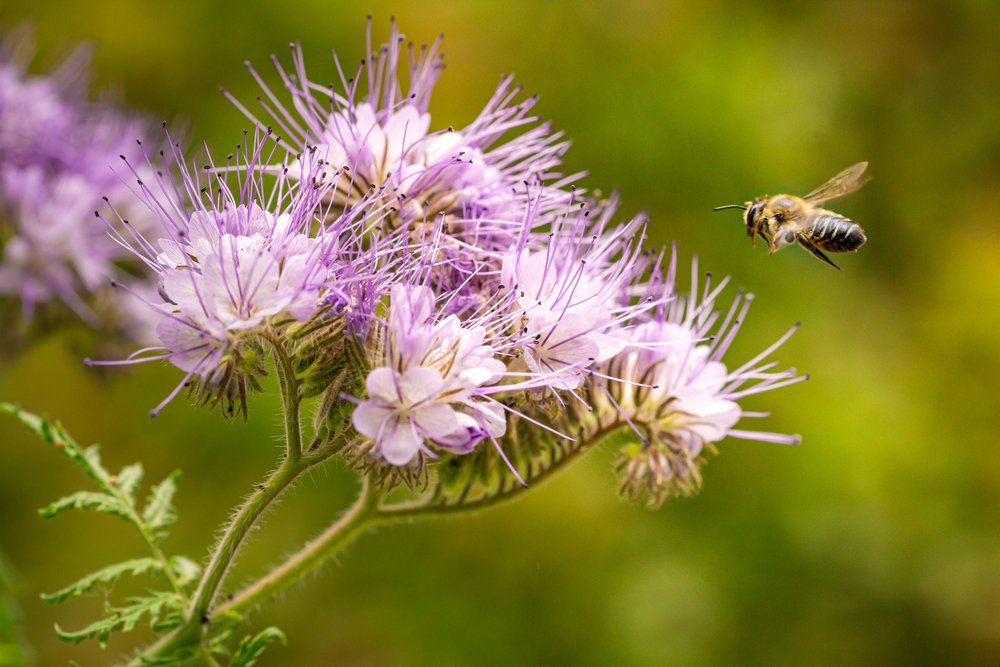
785,219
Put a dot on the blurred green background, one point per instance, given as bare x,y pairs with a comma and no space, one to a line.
876,542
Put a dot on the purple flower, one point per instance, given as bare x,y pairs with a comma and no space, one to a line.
371,135
573,294
56,148
671,386
451,270
239,255
429,390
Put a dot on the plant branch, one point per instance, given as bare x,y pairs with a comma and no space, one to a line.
367,513
247,515
290,400
342,532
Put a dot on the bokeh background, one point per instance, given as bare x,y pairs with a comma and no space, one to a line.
877,542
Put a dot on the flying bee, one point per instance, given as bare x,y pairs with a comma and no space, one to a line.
785,219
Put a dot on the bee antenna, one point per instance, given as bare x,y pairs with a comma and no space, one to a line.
739,206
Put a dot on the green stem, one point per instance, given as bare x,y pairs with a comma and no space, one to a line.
222,557
367,513
352,524
290,400
247,515
422,509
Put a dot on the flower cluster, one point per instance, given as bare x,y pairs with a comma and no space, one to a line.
463,279
56,152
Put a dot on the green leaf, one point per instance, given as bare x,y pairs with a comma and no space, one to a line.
218,644
250,648
105,576
88,500
159,511
161,609
127,481
88,459
185,569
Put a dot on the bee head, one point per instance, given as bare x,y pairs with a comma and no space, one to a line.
751,216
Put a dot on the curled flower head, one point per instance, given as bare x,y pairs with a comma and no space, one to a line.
446,294
673,389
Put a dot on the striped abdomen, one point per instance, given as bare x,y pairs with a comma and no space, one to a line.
835,233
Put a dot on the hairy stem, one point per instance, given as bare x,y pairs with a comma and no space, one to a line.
246,516
367,513
289,399
352,524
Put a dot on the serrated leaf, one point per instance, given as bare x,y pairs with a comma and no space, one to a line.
159,511
105,576
88,500
127,481
88,459
218,644
157,608
250,648
185,569
182,657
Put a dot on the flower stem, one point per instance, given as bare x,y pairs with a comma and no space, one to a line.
359,518
289,399
294,464
367,513
246,516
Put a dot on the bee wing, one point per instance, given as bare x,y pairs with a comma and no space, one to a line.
842,184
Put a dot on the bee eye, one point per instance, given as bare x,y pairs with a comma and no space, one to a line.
779,216
752,213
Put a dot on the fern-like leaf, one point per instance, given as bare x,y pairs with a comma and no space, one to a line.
162,611
105,575
185,570
88,500
251,648
117,495
159,510
127,481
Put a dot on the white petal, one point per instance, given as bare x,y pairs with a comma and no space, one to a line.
368,418
475,377
710,417
381,386
436,420
399,443
608,345
420,383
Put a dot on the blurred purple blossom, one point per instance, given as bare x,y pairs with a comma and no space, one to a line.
56,151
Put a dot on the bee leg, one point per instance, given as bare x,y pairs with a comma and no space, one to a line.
781,239
805,243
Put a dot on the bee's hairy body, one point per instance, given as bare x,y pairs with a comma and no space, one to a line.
782,219
786,219
832,231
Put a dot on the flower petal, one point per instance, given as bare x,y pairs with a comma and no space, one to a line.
399,443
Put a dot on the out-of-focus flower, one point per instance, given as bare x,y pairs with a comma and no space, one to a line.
56,152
